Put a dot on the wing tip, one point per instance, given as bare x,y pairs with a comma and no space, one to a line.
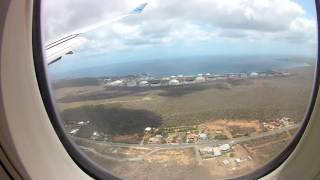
139,9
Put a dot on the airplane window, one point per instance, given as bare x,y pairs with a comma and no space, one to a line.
205,89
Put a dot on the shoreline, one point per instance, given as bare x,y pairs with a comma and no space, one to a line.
189,68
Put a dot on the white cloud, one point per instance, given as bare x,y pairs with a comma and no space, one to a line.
175,20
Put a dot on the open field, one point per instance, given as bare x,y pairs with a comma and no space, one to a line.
244,113
264,149
231,128
140,162
264,99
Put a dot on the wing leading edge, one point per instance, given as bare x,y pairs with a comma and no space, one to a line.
139,9
66,44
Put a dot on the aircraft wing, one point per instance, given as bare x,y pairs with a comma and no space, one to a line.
66,44
139,9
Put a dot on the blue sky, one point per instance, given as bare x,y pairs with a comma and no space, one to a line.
308,6
170,29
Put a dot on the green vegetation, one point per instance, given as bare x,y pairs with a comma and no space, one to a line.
266,139
178,91
165,131
237,131
221,137
111,120
88,81
262,99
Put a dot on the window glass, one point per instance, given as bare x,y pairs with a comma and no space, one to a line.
180,89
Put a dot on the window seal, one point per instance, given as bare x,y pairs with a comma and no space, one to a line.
96,171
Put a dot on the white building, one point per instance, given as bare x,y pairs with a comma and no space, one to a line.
174,82
74,131
165,79
131,83
116,83
81,123
225,147
216,151
107,80
200,79
254,74
203,136
95,133
285,121
147,129
143,83
237,160
206,150
225,162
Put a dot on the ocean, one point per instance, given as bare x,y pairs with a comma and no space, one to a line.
189,66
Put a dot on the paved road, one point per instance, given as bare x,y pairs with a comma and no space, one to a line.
201,143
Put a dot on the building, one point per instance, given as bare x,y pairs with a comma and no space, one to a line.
225,162
116,83
174,82
285,121
107,80
191,138
269,126
254,74
82,123
221,77
216,151
95,135
180,78
225,147
74,131
210,77
147,129
131,84
154,83
143,83
165,79
286,73
237,161
233,76
200,79
188,80
158,139
203,136
208,150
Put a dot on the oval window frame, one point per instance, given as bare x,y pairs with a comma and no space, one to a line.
96,171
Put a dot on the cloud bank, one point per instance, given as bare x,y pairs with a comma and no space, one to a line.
188,21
